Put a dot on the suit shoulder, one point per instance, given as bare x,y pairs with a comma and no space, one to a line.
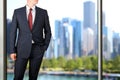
19,9
41,9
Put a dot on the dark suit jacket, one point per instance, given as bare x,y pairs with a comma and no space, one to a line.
25,36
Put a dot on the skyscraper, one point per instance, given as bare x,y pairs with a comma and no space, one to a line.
88,43
77,37
116,44
68,37
57,38
65,25
89,14
107,42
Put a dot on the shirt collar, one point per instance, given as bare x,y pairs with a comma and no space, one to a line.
28,8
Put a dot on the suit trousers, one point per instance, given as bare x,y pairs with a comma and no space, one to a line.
34,59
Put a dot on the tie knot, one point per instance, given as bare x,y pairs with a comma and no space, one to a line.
30,9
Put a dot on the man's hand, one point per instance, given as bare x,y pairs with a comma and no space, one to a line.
13,56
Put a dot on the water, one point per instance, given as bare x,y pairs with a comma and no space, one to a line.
54,77
58,77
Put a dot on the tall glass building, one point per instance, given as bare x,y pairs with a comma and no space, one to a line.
116,44
89,14
57,38
68,38
107,43
88,43
77,38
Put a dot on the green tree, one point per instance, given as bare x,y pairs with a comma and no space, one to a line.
112,65
109,64
46,63
54,63
94,61
61,62
70,65
87,63
116,63
79,63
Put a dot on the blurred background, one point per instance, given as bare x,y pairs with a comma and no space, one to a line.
111,38
73,50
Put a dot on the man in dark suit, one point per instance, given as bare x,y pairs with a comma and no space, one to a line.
33,38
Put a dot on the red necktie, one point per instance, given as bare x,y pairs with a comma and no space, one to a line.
30,19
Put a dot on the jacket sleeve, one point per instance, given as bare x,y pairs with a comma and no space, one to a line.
13,33
47,31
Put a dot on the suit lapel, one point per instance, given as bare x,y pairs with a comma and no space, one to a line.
25,17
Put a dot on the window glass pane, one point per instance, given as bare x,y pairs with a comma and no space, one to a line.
73,50
111,39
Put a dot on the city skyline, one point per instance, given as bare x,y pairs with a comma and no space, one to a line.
89,14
